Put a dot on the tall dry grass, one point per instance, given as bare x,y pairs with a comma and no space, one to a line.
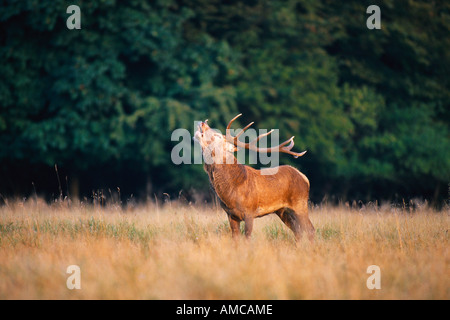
186,252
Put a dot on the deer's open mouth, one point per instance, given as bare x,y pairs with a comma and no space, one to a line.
203,126
198,134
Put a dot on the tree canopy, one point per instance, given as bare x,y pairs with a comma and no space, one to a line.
370,106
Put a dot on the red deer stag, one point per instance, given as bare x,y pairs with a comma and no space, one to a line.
246,193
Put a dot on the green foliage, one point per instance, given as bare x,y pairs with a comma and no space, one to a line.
370,106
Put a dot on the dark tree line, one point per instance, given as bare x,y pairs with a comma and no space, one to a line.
370,106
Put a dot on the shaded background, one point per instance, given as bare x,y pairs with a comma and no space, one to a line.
370,106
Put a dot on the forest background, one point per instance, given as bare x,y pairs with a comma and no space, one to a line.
99,104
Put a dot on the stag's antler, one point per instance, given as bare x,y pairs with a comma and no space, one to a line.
252,145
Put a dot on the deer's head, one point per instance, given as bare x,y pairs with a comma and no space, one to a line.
215,147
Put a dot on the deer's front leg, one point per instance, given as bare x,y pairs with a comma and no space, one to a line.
248,226
234,224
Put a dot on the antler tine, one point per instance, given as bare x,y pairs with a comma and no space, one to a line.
253,143
243,130
281,147
231,121
234,139
288,148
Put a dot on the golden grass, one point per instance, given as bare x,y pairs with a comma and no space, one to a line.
186,252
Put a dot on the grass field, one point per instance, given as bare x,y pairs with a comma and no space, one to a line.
186,252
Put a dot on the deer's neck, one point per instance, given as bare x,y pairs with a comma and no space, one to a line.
224,178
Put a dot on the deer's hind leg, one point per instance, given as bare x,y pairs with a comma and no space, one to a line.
305,224
297,220
289,219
